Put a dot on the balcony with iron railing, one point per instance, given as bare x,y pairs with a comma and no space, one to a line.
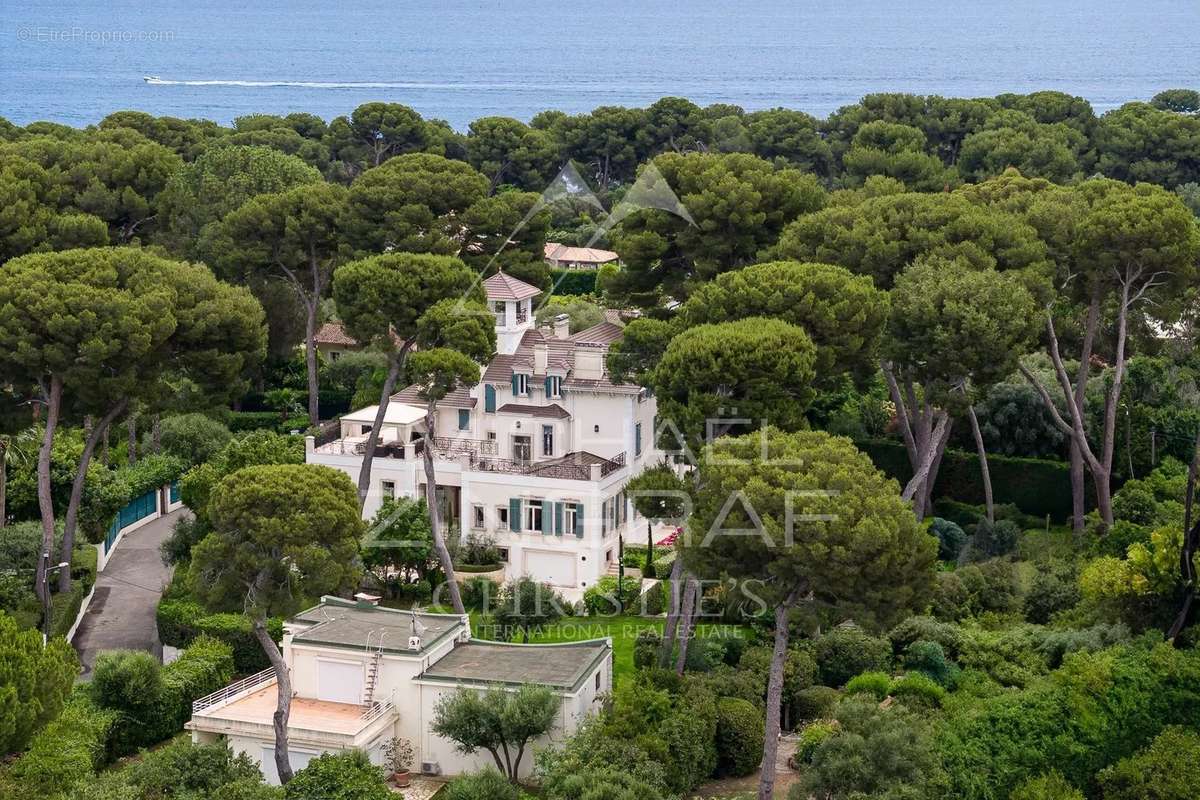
483,455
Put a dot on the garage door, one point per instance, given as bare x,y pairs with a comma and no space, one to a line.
297,758
557,569
339,682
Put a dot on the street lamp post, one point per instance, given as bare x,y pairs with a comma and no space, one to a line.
46,607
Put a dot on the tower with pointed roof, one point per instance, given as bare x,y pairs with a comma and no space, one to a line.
511,300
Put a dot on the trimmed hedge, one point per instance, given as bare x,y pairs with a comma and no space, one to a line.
65,608
574,281
69,748
240,421
1036,486
180,622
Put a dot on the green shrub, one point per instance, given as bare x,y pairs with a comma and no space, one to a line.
877,753
601,599
486,784
35,681
739,737
573,281
478,593
646,648
918,688
704,653
1098,708
1135,503
811,738
655,599
1051,786
127,680
991,539
1050,592
816,702
348,775
192,438
182,768
1157,772
951,601
951,538
872,683
181,621
914,629
964,515
930,659
68,749
848,650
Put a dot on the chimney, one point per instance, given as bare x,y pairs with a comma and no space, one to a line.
562,327
589,364
541,358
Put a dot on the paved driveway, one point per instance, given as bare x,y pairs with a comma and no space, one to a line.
122,612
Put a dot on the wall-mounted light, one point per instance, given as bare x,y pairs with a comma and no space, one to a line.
596,428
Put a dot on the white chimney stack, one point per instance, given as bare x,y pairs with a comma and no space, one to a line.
562,327
541,358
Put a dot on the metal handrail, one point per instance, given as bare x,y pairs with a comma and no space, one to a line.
377,710
245,684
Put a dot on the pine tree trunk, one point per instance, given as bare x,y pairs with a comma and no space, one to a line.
667,648
3,481
766,780
1078,490
156,434
45,500
283,703
71,522
310,363
439,540
984,472
395,365
131,429
687,618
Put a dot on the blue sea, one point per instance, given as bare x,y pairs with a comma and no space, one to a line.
75,62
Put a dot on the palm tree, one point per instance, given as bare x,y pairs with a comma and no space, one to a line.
14,449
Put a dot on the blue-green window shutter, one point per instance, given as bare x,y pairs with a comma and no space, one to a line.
545,521
579,520
514,384
514,514
558,519
637,439
489,397
464,419
547,387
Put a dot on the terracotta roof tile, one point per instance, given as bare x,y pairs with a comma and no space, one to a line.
505,287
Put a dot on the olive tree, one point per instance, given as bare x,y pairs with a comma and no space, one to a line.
498,720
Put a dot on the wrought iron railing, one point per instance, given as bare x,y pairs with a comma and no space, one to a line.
259,679
612,464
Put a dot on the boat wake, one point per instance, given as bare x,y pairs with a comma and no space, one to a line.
154,80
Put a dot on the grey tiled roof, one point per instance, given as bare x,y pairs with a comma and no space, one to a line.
459,398
341,623
552,411
561,354
560,666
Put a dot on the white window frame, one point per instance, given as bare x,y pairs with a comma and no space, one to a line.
532,510
501,518
570,514
522,384
555,386
548,430
387,488
478,517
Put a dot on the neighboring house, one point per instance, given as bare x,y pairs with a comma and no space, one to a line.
561,256
536,456
362,674
332,341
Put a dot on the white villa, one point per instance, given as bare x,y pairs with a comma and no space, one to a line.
536,456
362,674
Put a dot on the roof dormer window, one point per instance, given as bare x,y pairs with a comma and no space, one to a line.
520,384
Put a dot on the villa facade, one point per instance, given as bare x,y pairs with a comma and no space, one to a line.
535,456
